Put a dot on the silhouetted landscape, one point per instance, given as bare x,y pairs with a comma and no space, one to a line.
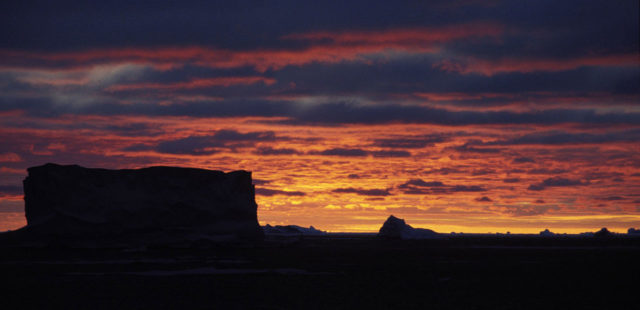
135,257
361,154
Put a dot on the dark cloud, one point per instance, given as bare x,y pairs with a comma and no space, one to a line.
234,136
348,113
562,138
274,192
522,160
477,172
600,175
374,199
421,187
196,145
275,151
194,22
126,130
556,182
547,171
328,114
135,130
466,188
138,147
260,181
35,29
353,176
341,152
420,183
10,190
469,148
442,171
363,192
511,180
544,16
483,199
420,75
356,152
413,142
611,198
599,26
207,145
390,153
559,181
536,187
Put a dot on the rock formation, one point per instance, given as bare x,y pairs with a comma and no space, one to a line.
395,228
292,230
547,233
602,233
178,202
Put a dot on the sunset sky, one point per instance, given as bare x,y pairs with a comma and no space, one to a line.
472,116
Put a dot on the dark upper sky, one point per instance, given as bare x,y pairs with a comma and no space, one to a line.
533,28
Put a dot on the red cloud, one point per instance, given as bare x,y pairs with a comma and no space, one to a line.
403,38
467,66
342,46
196,83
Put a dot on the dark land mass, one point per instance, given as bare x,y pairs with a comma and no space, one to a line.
70,202
179,238
330,272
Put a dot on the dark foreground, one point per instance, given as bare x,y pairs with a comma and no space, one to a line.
331,273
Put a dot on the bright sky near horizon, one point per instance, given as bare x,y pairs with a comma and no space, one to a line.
472,116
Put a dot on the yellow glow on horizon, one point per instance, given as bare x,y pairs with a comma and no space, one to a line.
455,206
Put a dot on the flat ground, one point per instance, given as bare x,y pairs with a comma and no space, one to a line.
331,273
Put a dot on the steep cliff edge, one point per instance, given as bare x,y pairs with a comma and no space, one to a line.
184,202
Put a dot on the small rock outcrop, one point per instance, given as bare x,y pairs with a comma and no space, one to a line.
547,233
602,233
292,230
176,202
396,228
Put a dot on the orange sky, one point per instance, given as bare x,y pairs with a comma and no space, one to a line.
356,192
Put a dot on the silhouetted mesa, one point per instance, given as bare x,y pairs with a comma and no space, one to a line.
395,228
149,203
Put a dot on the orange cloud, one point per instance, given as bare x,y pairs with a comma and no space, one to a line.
301,189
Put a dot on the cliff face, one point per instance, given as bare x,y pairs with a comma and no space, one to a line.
75,200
